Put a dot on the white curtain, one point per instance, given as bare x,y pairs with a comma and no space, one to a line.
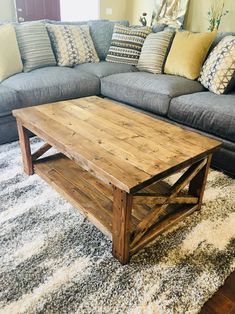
79,10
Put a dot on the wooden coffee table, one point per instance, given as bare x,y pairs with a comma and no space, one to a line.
112,163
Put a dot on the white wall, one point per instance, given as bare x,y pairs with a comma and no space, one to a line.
7,10
118,7
79,10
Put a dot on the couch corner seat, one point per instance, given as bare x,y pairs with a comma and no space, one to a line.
104,68
149,92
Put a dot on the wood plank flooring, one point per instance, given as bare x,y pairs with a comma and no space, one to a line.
223,302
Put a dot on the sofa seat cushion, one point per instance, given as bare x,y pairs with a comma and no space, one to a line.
52,84
206,111
147,91
8,101
105,68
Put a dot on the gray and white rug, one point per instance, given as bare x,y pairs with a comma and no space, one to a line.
52,260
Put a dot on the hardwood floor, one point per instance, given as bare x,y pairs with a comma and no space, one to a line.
223,302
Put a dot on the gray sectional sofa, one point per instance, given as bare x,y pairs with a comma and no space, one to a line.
171,98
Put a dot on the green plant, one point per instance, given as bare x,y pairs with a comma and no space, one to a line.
216,14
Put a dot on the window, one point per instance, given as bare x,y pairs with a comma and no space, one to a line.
79,10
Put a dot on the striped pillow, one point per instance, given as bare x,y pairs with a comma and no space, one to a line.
154,52
35,46
126,44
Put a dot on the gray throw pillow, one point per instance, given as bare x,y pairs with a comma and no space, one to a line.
35,46
154,51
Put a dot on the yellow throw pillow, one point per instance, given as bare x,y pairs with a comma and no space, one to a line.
188,53
10,59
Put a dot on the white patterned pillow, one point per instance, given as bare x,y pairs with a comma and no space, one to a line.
126,44
154,52
72,45
218,72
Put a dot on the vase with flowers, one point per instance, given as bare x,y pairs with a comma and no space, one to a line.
216,13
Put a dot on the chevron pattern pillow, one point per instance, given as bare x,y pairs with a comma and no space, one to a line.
218,72
127,43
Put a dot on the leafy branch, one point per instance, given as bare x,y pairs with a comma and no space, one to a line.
216,14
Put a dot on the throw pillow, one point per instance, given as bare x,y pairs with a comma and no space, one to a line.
101,33
154,52
218,72
126,44
35,46
73,45
10,60
188,53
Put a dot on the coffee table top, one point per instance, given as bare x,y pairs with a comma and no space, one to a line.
117,144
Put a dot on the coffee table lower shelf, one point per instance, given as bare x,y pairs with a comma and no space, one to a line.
94,199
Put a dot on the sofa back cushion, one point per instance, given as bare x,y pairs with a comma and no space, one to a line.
10,59
72,44
35,46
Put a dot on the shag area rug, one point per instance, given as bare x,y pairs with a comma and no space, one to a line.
52,260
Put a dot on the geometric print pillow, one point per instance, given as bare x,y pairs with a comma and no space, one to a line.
218,72
127,44
72,45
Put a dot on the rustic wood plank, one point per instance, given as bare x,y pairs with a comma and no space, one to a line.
139,212
198,183
160,188
163,146
106,140
228,289
105,165
25,149
220,305
160,228
85,198
157,211
158,200
151,149
41,151
122,205
169,130
123,130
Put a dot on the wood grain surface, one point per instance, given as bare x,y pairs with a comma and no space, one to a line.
122,147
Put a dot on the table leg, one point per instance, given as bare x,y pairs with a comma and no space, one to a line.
25,149
122,206
198,183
